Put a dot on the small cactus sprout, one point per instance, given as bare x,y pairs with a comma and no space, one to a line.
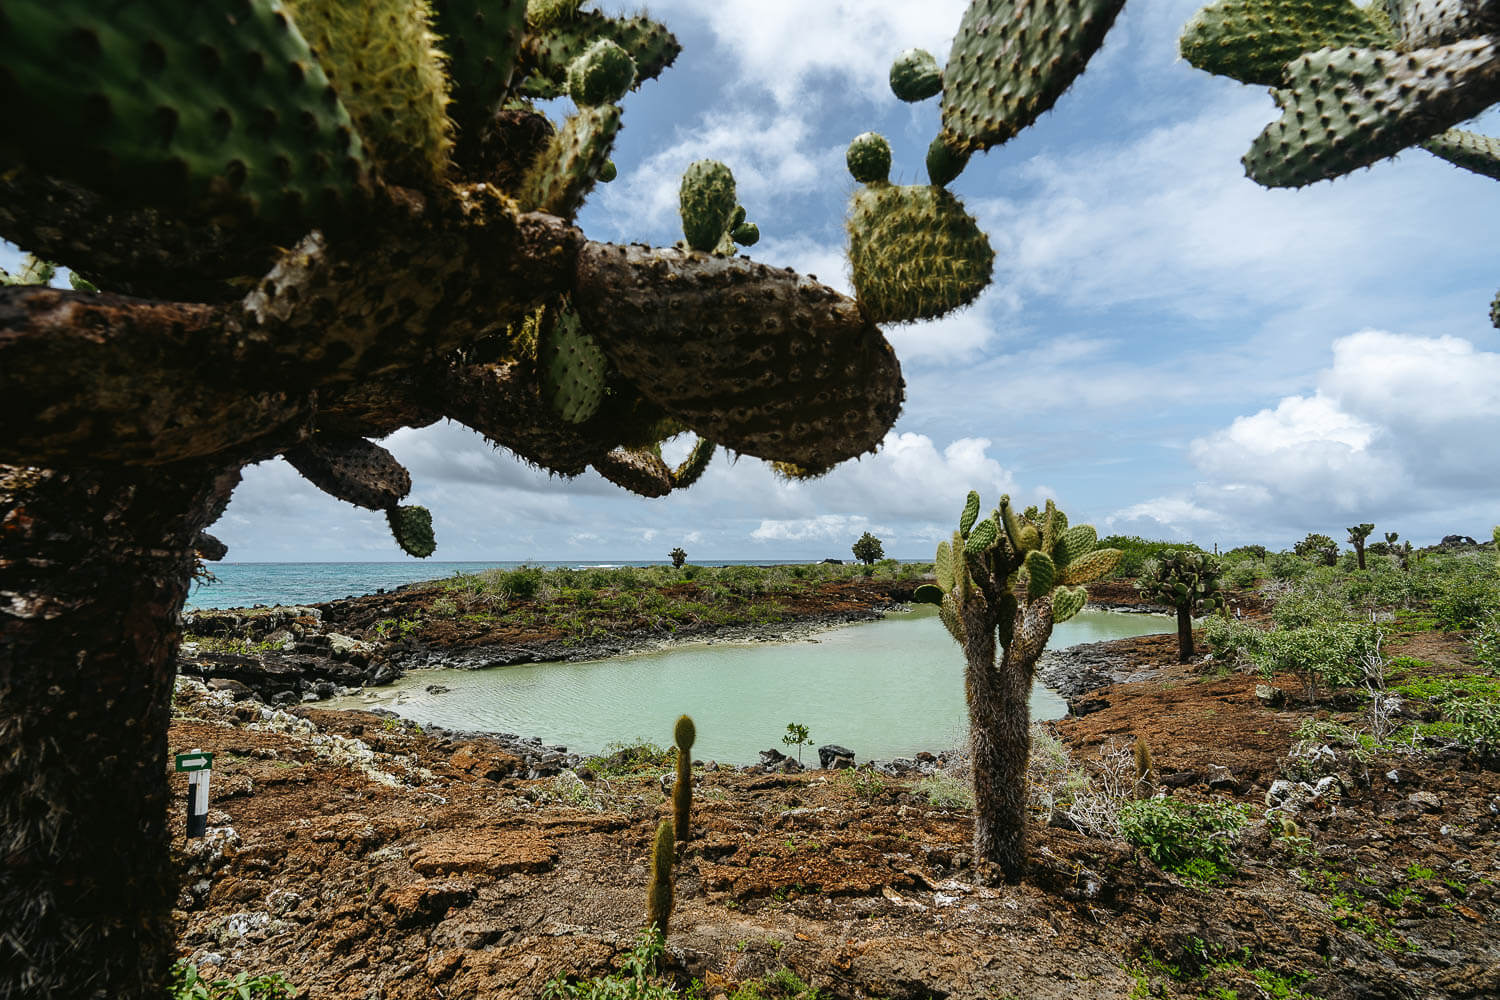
869,158
707,203
916,76
684,733
746,234
1145,770
659,891
944,163
602,75
608,172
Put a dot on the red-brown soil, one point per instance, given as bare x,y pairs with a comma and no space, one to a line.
424,868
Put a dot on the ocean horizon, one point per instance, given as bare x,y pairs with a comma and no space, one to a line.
245,584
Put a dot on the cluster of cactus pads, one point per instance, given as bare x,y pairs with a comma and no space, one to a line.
1187,581
914,251
1006,580
1357,84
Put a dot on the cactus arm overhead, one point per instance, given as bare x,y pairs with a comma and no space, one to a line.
1252,40
1426,23
1479,153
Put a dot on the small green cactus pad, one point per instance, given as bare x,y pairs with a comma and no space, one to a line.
608,172
550,50
746,234
602,75
982,537
1253,40
1346,108
970,513
942,567
412,529
151,103
943,162
1012,60
693,467
869,158
1479,153
1421,24
948,615
565,172
571,365
706,200
684,733
1074,544
1091,565
639,470
1067,602
927,594
354,470
915,253
916,76
483,41
383,58
1041,571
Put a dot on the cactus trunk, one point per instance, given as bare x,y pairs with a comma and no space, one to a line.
1184,634
1000,747
96,568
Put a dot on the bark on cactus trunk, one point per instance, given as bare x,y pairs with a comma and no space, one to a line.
94,569
1184,633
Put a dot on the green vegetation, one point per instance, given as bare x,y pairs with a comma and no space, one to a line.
187,983
1193,839
1187,581
944,792
621,760
1318,548
635,980
1135,552
797,736
678,557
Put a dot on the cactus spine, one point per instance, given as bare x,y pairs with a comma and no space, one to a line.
1004,581
684,733
659,891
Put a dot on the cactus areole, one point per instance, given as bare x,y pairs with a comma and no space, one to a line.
310,224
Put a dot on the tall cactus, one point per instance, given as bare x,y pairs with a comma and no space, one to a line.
1356,84
683,734
1186,581
1008,579
1357,535
659,892
315,222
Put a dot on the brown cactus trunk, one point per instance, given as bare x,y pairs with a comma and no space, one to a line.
1359,553
94,568
1184,633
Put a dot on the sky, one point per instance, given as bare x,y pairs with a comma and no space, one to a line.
1167,349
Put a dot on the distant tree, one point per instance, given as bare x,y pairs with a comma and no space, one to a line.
1005,581
678,557
1357,536
1250,551
868,549
1319,548
1188,582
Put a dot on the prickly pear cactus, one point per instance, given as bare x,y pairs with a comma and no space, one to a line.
1186,581
916,75
412,529
602,75
869,158
707,203
914,252
574,370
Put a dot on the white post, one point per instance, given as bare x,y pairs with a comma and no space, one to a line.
197,813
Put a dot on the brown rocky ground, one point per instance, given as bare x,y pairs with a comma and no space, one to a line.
364,859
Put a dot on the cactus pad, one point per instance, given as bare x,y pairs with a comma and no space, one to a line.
565,172
692,468
1074,544
684,733
602,75
1479,153
915,253
980,538
1067,602
970,513
916,76
1091,565
746,234
706,200
550,50
1012,60
639,470
356,471
869,158
412,529
659,889
943,162
942,567
1346,108
571,366
143,103
383,58
482,39
1041,571
1253,40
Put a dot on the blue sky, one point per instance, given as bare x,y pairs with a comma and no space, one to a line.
1167,349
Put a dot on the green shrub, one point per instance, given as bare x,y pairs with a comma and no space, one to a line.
1286,566
188,984
1332,654
1478,720
945,792
1320,549
1232,641
635,980
1485,645
1191,838
1135,551
1465,600
1311,605
621,759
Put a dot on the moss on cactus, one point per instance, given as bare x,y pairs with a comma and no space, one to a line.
914,252
869,158
916,75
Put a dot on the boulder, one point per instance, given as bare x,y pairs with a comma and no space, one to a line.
830,755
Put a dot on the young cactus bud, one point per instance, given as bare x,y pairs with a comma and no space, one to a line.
746,234
602,75
869,158
682,790
659,891
707,203
916,76
608,172
944,163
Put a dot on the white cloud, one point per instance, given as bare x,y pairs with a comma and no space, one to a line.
823,527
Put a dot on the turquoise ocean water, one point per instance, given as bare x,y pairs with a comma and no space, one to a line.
246,584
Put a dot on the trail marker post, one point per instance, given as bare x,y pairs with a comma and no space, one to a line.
198,766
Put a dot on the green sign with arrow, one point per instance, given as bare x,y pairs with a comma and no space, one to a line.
194,761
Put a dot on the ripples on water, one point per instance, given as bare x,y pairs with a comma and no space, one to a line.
884,689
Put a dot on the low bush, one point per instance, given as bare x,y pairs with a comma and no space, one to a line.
945,792
1329,654
1195,839
636,979
188,984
